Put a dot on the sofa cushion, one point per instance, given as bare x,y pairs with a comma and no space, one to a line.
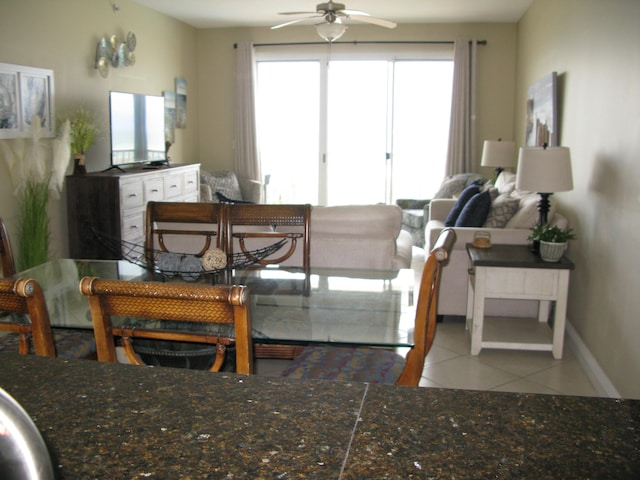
224,182
464,197
374,221
502,209
475,211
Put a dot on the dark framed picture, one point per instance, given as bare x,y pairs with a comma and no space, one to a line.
542,112
25,93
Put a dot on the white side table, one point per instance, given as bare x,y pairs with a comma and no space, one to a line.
513,271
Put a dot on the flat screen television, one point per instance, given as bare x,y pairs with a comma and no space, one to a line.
137,129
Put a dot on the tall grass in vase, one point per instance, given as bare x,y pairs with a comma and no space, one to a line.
84,130
37,167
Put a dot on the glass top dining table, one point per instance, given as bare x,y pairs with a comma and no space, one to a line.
343,306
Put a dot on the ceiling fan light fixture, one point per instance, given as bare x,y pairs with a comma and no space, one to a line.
331,31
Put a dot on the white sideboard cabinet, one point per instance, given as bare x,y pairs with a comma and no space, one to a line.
114,202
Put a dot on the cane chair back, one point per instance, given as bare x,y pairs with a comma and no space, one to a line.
6,254
253,226
198,227
29,327
201,305
376,365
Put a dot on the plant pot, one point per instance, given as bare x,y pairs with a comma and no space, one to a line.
78,164
552,251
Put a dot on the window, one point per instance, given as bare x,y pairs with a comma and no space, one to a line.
353,129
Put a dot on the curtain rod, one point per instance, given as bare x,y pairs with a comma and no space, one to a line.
355,42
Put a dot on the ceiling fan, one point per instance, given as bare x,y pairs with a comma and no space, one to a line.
333,14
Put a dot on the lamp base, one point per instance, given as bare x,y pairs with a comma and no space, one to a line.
543,207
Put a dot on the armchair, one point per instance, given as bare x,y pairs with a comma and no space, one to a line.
225,184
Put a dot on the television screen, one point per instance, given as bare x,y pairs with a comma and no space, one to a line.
137,128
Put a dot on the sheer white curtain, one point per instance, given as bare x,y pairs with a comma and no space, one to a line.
246,162
460,156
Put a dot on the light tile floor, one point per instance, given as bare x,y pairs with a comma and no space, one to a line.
450,365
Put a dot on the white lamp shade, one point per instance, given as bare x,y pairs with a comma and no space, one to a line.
498,153
544,170
331,31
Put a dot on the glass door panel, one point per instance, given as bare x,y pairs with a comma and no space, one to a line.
422,108
356,132
288,104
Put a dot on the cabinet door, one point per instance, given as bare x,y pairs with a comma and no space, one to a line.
131,195
191,185
153,189
172,185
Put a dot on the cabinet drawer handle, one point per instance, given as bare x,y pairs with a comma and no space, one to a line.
133,227
155,190
174,186
133,195
190,181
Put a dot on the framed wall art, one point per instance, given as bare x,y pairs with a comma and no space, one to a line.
25,92
181,103
542,112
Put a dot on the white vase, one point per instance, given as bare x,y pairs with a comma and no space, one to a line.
552,251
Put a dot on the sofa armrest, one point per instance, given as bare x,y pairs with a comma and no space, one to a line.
412,204
439,208
206,195
252,190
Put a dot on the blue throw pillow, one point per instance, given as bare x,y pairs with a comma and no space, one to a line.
476,211
464,197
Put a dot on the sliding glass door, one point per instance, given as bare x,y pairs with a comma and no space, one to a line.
353,131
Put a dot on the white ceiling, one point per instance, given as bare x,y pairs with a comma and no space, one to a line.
258,13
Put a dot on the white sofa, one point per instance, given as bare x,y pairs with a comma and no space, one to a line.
349,236
360,236
365,237
454,280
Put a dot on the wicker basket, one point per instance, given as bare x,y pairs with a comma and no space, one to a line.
551,251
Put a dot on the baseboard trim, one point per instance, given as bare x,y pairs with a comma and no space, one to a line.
589,364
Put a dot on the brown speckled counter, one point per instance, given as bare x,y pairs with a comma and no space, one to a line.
121,422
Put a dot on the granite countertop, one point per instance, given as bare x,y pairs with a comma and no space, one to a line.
117,421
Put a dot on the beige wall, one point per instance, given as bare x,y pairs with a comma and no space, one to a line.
62,35
594,45
496,83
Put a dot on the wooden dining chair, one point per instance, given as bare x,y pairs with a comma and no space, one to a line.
202,305
6,254
27,322
253,226
176,231
376,365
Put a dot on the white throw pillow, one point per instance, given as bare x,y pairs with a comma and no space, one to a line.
506,182
527,214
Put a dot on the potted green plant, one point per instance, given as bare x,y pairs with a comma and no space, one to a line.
84,131
553,240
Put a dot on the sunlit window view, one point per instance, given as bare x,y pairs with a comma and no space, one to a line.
382,134
288,124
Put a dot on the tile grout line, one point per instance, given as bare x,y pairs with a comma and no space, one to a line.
353,431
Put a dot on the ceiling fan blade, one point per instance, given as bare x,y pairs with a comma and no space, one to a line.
373,20
296,13
353,12
294,21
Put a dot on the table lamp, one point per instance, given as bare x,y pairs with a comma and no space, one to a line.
544,170
498,154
